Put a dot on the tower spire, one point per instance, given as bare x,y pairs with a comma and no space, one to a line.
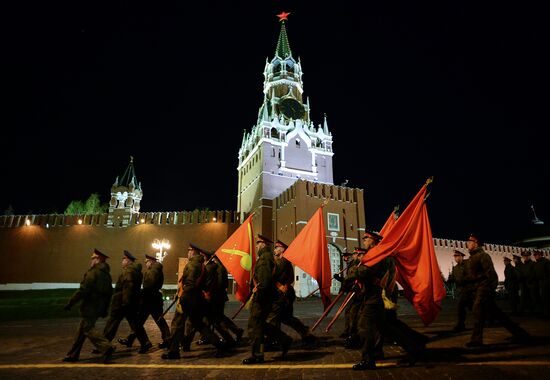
283,47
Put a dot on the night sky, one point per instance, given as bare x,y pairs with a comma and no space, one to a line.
445,89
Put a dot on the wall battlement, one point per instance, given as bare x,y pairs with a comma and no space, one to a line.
318,190
102,220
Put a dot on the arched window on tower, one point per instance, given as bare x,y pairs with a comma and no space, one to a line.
274,133
276,67
272,152
298,143
289,65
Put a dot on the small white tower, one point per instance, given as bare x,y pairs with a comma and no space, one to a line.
126,196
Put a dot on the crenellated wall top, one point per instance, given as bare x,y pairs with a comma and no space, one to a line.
157,218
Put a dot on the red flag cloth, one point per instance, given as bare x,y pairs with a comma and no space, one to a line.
410,241
309,252
238,255
388,225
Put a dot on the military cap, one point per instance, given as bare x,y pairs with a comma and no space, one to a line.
196,247
537,252
526,253
475,237
99,254
373,235
506,258
149,257
279,243
346,253
359,250
516,257
265,239
206,253
129,255
458,253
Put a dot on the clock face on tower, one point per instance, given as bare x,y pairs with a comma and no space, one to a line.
291,108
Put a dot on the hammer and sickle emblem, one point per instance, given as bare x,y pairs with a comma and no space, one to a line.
246,261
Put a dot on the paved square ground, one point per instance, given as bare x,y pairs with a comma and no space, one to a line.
34,349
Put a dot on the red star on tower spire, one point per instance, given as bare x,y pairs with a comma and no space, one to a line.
283,16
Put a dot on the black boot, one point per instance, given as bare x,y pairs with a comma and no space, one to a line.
171,355
145,348
364,365
254,360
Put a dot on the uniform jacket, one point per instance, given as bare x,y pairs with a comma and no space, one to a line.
95,292
511,281
127,288
284,278
481,271
191,281
263,276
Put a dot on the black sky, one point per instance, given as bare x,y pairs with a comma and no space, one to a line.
449,89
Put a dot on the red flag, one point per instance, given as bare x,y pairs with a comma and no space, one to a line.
389,224
238,255
410,241
309,252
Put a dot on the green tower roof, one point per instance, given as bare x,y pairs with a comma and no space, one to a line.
283,47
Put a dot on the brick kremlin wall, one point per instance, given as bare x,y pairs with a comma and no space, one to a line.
56,248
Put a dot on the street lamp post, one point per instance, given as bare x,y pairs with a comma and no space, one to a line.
160,245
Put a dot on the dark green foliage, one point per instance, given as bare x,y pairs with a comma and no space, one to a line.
91,206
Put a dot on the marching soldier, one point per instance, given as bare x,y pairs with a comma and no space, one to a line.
151,302
542,276
213,300
485,280
511,284
94,294
283,307
371,314
190,305
348,260
463,290
263,295
225,321
349,285
527,283
125,302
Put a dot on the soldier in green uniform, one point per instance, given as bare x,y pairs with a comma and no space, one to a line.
190,305
348,259
213,299
263,295
542,276
94,294
371,313
463,289
282,311
511,284
350,284
481,273
223,282
151,302
526,284
125,302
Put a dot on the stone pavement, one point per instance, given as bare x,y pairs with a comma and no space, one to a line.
34,349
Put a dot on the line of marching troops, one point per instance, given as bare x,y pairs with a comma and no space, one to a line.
526,282
371,299
200,302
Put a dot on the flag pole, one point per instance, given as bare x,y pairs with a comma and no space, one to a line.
329,308
316,290
340,310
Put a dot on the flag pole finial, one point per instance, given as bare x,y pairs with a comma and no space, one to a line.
429,180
